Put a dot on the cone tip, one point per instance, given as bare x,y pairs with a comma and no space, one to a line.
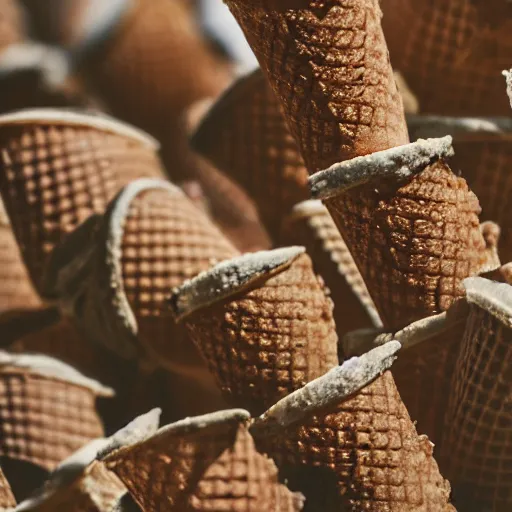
399,162
230,277
47,366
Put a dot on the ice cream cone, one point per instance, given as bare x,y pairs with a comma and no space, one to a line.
262,322
476,448
449,53
352,424
410,224
483,151
245,135
12,23
328,65
7,500
58,168
309,224
202,463
47,409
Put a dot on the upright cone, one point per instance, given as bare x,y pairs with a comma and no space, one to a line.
352,424
262,322
477,444
58,168
202,463
7,499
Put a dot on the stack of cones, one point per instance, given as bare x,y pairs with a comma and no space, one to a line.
7,500
262,322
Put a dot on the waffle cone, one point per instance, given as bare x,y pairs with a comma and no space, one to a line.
411,226
353,424
7,499
59,168
328,66
450,44
12,25
476,448
245,135
203,463
310,225
35,427
262,322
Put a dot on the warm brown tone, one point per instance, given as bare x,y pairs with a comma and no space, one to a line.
6,497
12,28
327,63
246,136
449,53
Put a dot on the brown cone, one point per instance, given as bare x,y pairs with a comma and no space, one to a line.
47,409
328,64
262,322
6,496
58,168
477,447
310,225
352,424
449,53
12,25
245,135
203,463
411,226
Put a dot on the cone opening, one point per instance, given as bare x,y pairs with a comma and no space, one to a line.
53,368
69,117
229,278
399,163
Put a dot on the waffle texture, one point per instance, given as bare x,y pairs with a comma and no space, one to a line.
328,65
6,497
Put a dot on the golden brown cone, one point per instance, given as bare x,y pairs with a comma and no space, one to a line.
203,463
262,322
328,64
449,54
476,448
58,168
6,496
245,135
411,225
309,224
154,65
12,24
352,426
47,409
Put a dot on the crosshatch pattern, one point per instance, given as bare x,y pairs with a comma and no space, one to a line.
246,136
6,497
478,434
415,244
381,463
448,43
53,178
270,340
328,64
44,420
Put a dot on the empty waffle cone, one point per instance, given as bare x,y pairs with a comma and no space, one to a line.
483,151
309,224
58,168
449,53
82,482
410,224
7,500
12,23
245,135
202,463
328,65
47,409
476,448
352,424
262,322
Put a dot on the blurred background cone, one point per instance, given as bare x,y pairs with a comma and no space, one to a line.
245,135
410,224
449,53
352,431
328,65
6,496
263,323
12,23
477,443
202,463
58,168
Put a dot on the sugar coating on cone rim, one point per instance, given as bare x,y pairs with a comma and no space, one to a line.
69,117
337,385
53,368
508,78
399,163
229,278
491,296
307,209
